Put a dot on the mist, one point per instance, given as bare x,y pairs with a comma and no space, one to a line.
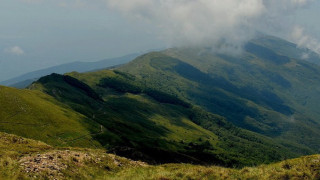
224,25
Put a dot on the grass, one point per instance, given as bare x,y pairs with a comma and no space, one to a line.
36,115
300,168
23,158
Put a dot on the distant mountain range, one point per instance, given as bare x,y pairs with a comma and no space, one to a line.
26,79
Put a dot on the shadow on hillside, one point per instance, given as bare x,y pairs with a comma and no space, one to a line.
127,128
220,96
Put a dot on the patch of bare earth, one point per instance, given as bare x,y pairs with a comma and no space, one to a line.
54,163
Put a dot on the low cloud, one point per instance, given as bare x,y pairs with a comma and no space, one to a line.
303,40
227,23
224,25
15,50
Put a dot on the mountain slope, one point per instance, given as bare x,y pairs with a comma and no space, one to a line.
33,114
260,90
286,48
137,125
26,79
178,105
156,127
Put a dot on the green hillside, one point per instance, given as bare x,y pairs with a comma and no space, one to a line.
23,158
262,90
183,105
146,124
36,115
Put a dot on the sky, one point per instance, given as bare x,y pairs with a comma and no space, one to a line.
36,34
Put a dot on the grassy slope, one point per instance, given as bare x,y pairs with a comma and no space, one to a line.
77,163
36,115
135,126
233,143
260,90
301,168
132,125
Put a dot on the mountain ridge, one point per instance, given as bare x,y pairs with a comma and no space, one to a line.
24,80
261,92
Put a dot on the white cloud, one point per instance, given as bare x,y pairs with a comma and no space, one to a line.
222,24
16,50
208,22
303,40
305,56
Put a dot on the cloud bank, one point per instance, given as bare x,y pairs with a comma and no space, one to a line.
225,25
303,40
16,50
228,23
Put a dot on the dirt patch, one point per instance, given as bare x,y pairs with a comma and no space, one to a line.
54,164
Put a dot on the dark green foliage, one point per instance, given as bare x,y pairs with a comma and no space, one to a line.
266,54
128,83
163,97
72,82
78,84
120,85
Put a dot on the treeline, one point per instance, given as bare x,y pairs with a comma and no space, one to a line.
127,83
78,84
55,78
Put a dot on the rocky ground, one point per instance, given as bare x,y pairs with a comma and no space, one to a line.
55,163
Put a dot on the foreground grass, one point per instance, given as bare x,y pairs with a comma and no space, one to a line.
301,168
28,159
23,158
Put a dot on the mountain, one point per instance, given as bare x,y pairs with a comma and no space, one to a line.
180,105
23,158
145,124
26,79
260,90
286,48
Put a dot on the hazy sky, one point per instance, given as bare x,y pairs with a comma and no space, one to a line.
36,34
